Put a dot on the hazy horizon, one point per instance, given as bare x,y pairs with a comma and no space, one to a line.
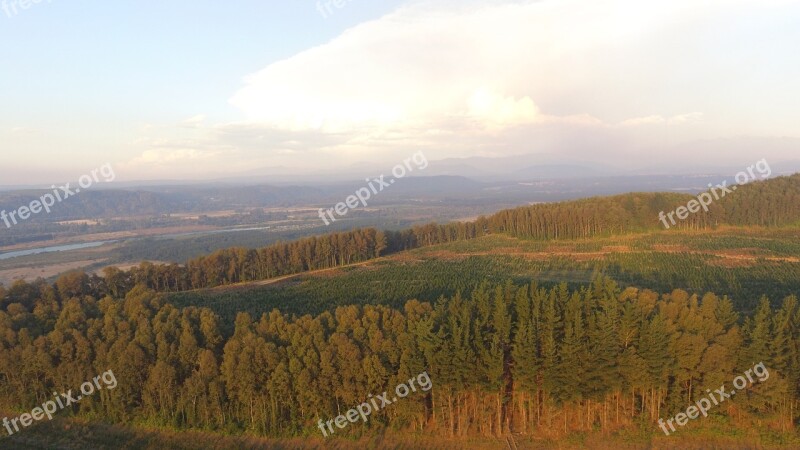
638,87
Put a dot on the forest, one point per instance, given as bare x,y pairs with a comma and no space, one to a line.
508,357
770,203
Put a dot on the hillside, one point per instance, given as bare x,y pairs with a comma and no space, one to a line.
560,341
743,264
774,202
771,203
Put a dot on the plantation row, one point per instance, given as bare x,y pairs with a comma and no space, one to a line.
427,277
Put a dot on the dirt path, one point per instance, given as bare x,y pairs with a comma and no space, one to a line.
250,284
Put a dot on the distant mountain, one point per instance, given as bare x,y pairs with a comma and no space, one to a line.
525,185
519,168
161,199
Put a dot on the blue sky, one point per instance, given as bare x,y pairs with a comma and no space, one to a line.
194,90
180,55
73,68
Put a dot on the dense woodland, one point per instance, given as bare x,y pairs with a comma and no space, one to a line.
509,357
774,202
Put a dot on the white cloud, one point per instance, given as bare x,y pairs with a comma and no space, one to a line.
661,120
587,80
496,111
488,66
194,121
414,66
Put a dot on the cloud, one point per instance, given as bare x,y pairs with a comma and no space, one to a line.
414,66
490,108
491,67
661,120
587,80
194,121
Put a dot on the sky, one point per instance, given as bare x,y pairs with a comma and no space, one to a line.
202,90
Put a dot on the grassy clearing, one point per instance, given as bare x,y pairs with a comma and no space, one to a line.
740,263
